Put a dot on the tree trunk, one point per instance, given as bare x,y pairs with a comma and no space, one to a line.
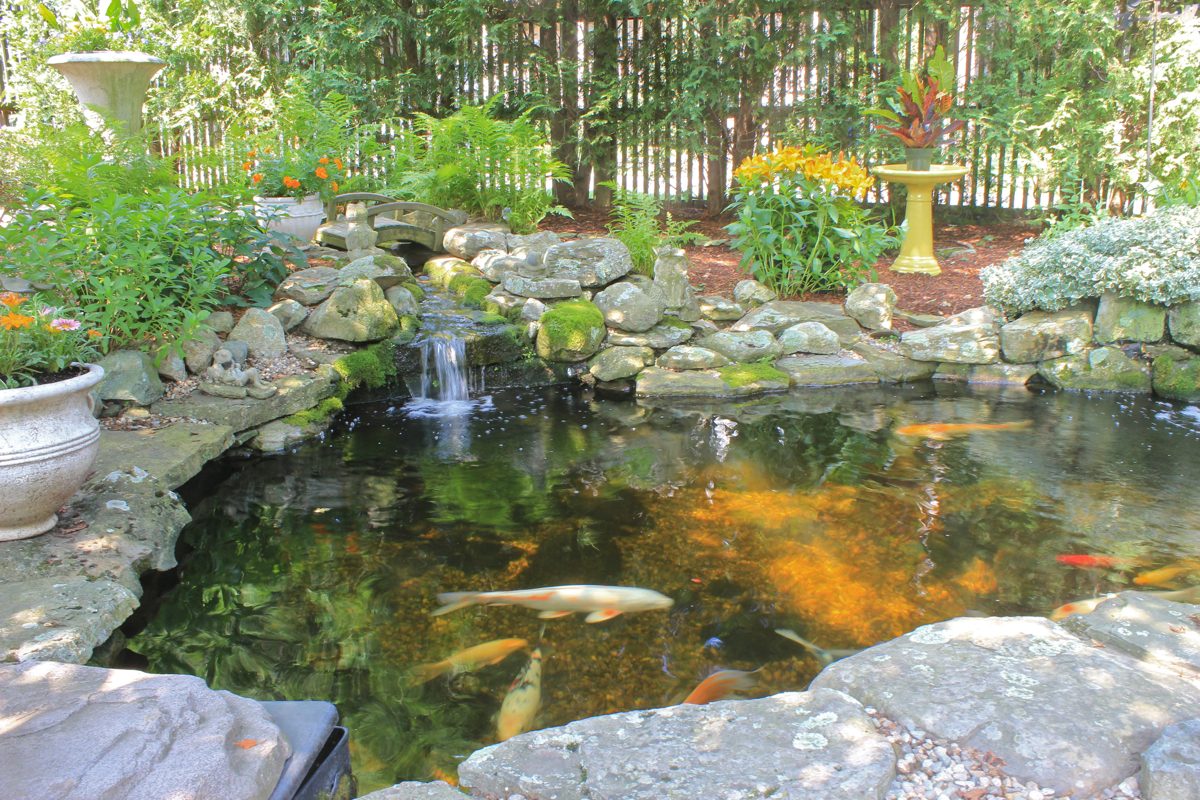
601,130
718,163
564,125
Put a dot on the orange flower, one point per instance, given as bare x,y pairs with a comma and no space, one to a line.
334,185
14,321
247,166
337,162
291,182
323,160
252,154
321,173
11,299
95,334
256,177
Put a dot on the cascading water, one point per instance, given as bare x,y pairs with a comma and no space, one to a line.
447,383
444,369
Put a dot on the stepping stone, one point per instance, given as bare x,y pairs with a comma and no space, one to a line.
1146,627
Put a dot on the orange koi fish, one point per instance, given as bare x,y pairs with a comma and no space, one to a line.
601,602
1085,561
720,685
523,700
942,431
1167,575
1189,595
470,659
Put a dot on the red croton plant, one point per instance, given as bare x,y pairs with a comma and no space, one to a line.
919,118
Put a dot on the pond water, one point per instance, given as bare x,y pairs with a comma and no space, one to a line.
313,575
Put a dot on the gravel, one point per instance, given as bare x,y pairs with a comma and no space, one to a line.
938,769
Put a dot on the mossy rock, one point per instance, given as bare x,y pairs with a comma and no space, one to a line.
417,291
739,375
372,367
570,331
470,289
500,345
318,415
1176,378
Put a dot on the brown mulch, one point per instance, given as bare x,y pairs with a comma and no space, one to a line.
963,251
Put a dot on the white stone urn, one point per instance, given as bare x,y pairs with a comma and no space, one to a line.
113,82
300,218
48,443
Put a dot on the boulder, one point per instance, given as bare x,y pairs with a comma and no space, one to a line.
1042,335
658,382
745,346
262,332
570,331
817,745
1146,627
890,366
1123,319
532,310
541,288
998,374
198,351
238,349
1171,766
1176,378
917,319
752,294
1103,369
531,246
495,264
308,286
219,321
86,733
972,337
718,308
809,337
685,356
778,315
627,307
403,301
593,262
671,276
1060,712
501,302
289,313
170,365
1184,323
387,271
413,790
468,241
441,270
871,305
821,370
129,375
614,363
667,333
355,313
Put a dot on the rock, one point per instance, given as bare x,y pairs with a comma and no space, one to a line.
1024,689
972,337
802,745
129,375
198,351
1146,627
752,294
671,277
809,337
871,306
532,310
237,348
1123,319
778,315
827,370
1176,378
277,436
570,331
627,307
503,303
719,309
289,313
262,332
495,264
541,288
170,365
1171,766
593,262
441,270
918,320
403,301
1102,369
296,393
735,380
667,333
685,356
87,733
1184,323
387,271
891,367
219,321
412,790
308,286
468,241
999,374
531,246
355,313
614,363
748,346
1041,335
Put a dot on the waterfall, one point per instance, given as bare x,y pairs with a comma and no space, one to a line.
444,369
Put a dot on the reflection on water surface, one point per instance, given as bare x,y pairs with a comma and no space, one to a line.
313,574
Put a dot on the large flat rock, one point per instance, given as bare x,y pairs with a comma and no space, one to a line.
174,454
827,370
1146,627
84,733
779,315
296,393
1061,712
817,745
414,790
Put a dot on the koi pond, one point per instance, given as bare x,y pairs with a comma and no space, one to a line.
313,575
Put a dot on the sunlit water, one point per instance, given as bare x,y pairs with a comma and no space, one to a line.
312,575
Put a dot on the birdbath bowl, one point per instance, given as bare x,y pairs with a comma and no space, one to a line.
916,252
110,82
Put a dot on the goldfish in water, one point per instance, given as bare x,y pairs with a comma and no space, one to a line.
601,602
1189,595
524,698
1167,575
720,685
950,429
470,659
1085,561
826,657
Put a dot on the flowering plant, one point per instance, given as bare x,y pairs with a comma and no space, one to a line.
291,171
39,341
920,118
799,226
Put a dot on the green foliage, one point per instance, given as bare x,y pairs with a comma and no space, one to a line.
38,340
471,289
1155,259
371,367
926,97
472,160
640,223
319,414
569,322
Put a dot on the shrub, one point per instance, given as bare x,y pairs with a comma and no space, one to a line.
798,226
640,223
1155,259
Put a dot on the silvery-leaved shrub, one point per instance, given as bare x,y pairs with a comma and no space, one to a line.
1155,258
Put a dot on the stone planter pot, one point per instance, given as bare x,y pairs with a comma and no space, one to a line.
919,159
48,442
110,82
300,218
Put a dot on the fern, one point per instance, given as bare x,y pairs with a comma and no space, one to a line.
640,223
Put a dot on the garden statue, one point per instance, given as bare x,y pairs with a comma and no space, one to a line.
671,276
360,236
226,379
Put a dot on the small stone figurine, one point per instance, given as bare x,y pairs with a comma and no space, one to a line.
360,236
226,379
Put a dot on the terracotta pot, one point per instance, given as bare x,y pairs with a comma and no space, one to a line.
300,218
48,443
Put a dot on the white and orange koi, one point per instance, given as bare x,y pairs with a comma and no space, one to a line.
600,602
1189,595
523,700
470,659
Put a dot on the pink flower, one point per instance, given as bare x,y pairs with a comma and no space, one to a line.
63,324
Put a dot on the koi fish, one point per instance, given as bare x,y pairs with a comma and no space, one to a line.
1189,595
602,602
470,659
826,657
1166,575
948,430
720,685
1088,561
524,698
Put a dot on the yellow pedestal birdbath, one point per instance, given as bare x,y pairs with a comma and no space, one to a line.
916,252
